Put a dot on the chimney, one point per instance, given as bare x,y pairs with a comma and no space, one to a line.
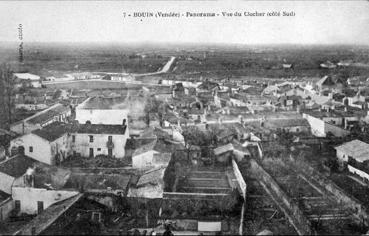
29,178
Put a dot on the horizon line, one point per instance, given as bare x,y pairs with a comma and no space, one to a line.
185,43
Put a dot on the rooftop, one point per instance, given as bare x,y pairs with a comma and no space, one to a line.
47,177
357,149
280,123
27,76
53,131
16,166
104,103
48,114
49,215
58,129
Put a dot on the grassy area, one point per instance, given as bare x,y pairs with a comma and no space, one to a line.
97,162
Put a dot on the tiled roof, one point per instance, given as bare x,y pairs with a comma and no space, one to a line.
53,131
153,177
104,103
49,215
58,129
98,129
16,166
223,149
48,114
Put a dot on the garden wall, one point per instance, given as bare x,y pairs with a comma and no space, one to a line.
290,208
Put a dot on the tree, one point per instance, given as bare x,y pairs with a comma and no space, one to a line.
153,106
193,136
6,96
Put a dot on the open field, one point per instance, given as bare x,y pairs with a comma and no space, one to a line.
193,61
266,61
40,58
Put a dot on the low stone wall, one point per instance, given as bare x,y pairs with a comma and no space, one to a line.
5,208
289,207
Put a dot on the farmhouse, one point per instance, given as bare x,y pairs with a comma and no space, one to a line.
56,142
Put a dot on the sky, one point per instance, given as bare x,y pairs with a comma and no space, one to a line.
316,22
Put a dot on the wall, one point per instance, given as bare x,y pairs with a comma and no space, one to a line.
360,173
41,147
320,128
297,129
31,107
62,147
317,125
239,178
335,130
28,197
334,120
143,160
82,144
291,210
341,156
107,116
5,208
6,182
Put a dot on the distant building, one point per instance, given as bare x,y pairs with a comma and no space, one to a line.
27,80
355,149
354,155
330,83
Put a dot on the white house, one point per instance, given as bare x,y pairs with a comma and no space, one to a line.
92,140
54,143
49,145
40,187
99,110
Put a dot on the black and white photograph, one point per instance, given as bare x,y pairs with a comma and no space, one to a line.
184,117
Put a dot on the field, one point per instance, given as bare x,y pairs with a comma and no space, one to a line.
193,61
40,58
267,62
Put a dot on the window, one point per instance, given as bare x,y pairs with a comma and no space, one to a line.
40,207
30,149
17,207
98,149
91,138
73,138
